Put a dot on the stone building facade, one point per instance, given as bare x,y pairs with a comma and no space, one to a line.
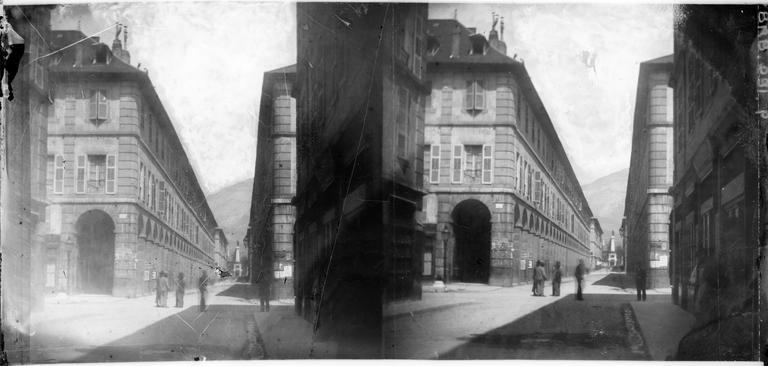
501,191
648,202
22,184
270,233
360,102
719,149
125,203
595,244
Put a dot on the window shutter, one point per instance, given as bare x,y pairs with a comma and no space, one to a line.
80,174
58,178
469,96
538,193
434,172
479,95
111,171
94,105
457,163
487,164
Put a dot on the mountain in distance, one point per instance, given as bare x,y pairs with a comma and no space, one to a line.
606,196
231,207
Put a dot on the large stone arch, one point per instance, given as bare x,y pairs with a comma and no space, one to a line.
472,231
95,252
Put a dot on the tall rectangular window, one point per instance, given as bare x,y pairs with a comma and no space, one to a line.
538,192
475,97
473,160
457,163
97,173
111,174
98,105
487,164
161,199
141,181
518,173
434,168
58,175
80,174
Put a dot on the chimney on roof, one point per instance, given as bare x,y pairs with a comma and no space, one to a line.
117,46
493,37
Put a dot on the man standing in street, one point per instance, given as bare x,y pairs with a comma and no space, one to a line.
203,288
264,291
579,280
640,280
557,278
538,279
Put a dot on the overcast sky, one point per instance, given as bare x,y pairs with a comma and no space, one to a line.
207,61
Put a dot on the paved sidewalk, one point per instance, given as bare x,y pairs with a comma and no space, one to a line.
457,294
87,328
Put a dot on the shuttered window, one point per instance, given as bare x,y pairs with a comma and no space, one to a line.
58,175
111,174
457,163
98,105
487,164
434,169
475,96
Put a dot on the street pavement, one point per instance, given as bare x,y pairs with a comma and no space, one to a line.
485,322
89,328
468,321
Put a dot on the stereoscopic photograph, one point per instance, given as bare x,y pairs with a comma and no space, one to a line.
248,180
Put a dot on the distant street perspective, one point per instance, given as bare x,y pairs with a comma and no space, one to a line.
246,180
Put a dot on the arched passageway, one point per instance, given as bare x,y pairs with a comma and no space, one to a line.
96,252
472,230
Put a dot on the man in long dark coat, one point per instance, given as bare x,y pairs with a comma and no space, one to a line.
579,280
557,278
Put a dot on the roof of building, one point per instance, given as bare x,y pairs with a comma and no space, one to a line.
441,31
65,61
283,70
661,60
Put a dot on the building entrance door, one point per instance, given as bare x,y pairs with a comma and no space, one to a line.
472,229
96,253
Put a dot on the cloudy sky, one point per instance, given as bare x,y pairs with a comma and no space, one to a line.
207,60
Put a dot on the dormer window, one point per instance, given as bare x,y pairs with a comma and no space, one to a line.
100,55
478,45
433,45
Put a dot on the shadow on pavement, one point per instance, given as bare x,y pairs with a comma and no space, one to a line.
603,326
619,280
245,291
220,333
